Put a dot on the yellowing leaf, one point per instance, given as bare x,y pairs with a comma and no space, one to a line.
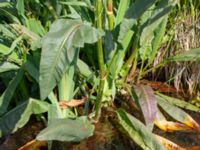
169,145
177,113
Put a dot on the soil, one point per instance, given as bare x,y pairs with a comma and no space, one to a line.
106,137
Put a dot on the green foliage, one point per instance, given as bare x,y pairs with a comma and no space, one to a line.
67,129
138,132
191,55
180,103
9,92
59,51
19,116
147,102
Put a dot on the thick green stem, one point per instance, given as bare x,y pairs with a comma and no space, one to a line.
98,15
110,15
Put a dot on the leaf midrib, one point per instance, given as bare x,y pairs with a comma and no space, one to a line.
60,47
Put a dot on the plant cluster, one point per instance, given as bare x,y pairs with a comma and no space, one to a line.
65,60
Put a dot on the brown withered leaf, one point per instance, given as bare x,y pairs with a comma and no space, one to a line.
72,103
33,145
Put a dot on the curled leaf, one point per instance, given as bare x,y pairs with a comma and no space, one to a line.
72,103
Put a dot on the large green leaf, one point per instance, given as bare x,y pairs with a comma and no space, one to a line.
138,132
67,130
19,116
153,26
8,93
58,50
132,15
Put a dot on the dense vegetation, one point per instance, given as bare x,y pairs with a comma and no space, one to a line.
64,61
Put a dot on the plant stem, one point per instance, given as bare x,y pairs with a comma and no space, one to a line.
132,59
62,88
110,15
98,15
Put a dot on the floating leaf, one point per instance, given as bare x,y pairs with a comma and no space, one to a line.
177,113
147,101
138,132
67,130
58,50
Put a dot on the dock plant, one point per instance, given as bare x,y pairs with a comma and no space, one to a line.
65,61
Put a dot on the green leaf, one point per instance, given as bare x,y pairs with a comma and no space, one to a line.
35,26
32,70
123,6
132,15
84,68
4,29
177,113
138,132
19,116
154,23
158,37
9,92
9,14
7,66
25,31
20,7
4,50
191,55
180,103
67,130
148,104
59,48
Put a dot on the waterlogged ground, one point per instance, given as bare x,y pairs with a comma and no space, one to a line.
105,137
